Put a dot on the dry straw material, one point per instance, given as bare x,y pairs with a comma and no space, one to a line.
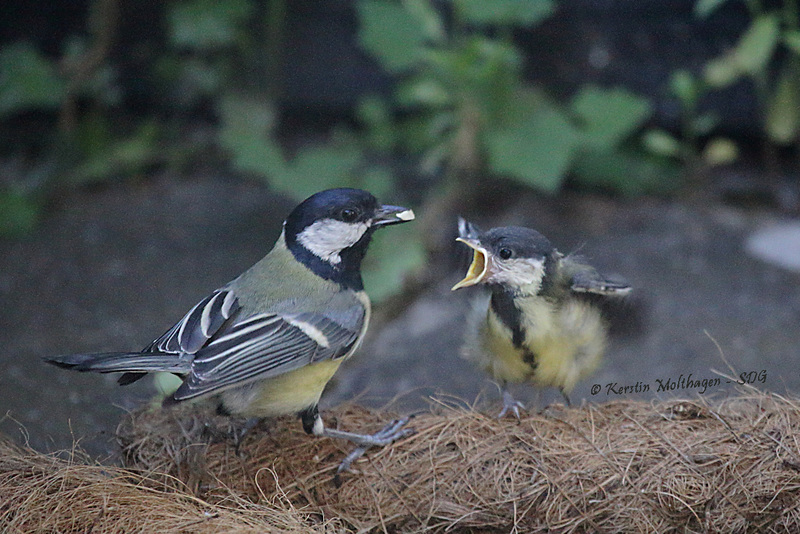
44,493
682,466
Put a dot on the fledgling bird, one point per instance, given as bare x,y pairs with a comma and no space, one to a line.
537,325
268,342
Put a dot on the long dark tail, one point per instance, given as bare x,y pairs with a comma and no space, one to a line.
133,364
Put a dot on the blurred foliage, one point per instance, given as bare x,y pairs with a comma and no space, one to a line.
77,94
248,134
695,126
209,25
29,80
465,108
18,213
460,109
768,55
393,255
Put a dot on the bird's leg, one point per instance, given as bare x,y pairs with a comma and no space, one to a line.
387,435
566,397
312,423
509,403
238,435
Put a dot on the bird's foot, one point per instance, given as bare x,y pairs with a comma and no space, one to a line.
510,405
387,435
354,455
566,398
238,435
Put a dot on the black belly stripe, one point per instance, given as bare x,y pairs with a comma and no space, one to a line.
529,357
503,306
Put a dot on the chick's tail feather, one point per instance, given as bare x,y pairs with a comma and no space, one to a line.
134,364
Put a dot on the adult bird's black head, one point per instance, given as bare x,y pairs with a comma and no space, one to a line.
330,231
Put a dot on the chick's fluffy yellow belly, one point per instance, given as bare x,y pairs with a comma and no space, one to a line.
284,394
566,343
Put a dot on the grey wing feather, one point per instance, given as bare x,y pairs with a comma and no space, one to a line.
135,363
199,325
263,346
188,335
588,280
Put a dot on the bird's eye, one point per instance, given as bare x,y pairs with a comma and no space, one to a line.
349,215
505,253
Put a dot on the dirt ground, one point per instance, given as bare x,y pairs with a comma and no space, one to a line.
112,268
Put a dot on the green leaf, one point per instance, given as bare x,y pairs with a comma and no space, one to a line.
428,19
243,115
424,130
374,114
112,157
758,43
504,12
609,116
246,134
704,123
722,71
783,111
792,40
423,91
537,150
751,55
684,86
704,8
377,180
28,80
93,135
661,143
18,213
390,33
316,168
207,24
720,151
394,253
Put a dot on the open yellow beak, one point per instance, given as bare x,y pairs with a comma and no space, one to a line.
479,267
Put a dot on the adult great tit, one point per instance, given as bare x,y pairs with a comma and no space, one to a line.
268,342
538,324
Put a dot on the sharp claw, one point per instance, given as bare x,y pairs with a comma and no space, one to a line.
388,434
509,403
357,453
239,435
392,432
385,436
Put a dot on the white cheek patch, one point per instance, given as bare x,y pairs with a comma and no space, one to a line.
328,237
519,273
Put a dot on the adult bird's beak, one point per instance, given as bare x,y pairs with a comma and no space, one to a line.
387,215
480,266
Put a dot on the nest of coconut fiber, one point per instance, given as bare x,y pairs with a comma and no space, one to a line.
622,466
689,466
45,493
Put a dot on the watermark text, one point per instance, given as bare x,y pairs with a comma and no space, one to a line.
682,382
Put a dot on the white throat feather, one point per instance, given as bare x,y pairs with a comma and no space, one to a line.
523,274
326,238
